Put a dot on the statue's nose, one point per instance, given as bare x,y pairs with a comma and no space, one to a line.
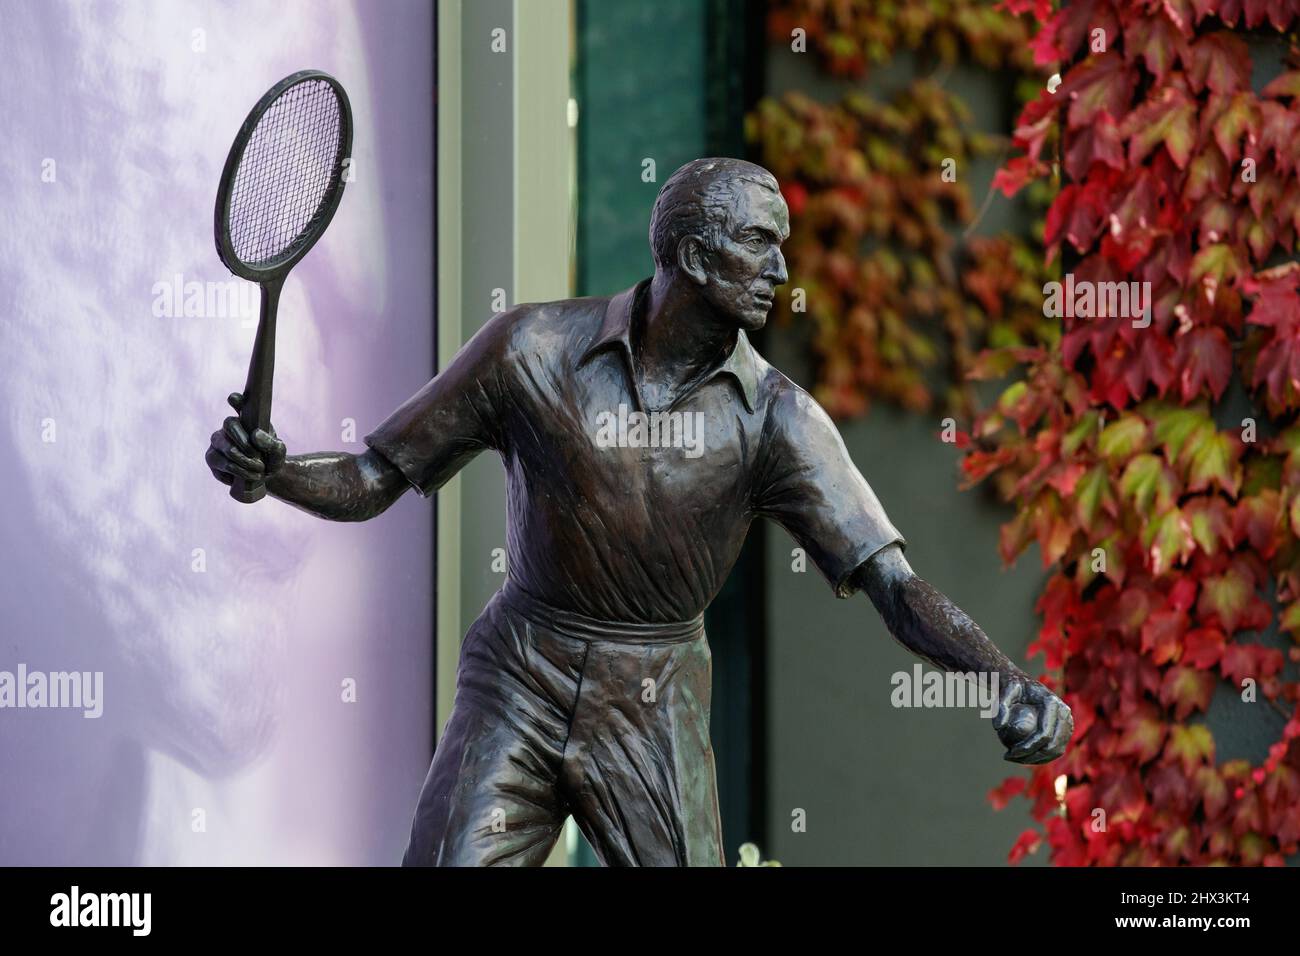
775,270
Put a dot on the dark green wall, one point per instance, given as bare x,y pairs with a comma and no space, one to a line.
639,84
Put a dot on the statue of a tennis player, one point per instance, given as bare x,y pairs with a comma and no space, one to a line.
584,686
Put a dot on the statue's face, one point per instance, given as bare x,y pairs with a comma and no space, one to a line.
745,269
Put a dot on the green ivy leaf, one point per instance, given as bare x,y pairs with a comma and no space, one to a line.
1226,595
1209,522
1091,493
1213,460
1218,261
1175,427
1168,540
1146,481
1122,438
1191,746
1079,433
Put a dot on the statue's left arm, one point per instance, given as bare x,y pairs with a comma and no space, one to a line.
1032,722
808,484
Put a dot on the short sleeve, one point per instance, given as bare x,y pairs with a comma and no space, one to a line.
809,485
456,415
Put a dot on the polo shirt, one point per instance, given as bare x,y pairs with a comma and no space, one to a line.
637,531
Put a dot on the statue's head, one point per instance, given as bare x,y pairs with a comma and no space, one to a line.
717,226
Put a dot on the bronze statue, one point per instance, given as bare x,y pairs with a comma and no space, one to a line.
641,434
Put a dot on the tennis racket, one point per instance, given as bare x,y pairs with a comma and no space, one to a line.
279,190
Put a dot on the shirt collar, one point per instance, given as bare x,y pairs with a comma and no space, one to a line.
616,330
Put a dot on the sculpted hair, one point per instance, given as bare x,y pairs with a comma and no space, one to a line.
696,201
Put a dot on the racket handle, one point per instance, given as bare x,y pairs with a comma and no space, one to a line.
255,412
247,491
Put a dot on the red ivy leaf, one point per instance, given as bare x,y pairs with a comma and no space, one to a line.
1100,84
1186,689
1098,143
1255,661
1001,795
1168,118
1144,734
1157,41
1028,842
1203,647
1204,361
1078,214
1277,307
1162,636
1256,519
1220,61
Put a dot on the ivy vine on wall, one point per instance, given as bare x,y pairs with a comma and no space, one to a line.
1173,538
898,300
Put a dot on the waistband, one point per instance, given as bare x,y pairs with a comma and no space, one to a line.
573,624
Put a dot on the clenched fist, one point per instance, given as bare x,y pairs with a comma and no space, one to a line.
233,453
1032,722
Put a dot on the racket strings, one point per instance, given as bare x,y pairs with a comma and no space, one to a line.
288,169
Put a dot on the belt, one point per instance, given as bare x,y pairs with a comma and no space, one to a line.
573,624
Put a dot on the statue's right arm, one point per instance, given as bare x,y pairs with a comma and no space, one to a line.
421,445
338,485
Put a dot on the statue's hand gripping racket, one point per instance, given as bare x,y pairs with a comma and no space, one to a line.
280,187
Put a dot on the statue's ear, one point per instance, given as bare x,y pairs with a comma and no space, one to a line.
691,256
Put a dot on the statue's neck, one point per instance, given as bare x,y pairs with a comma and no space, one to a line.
680,337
